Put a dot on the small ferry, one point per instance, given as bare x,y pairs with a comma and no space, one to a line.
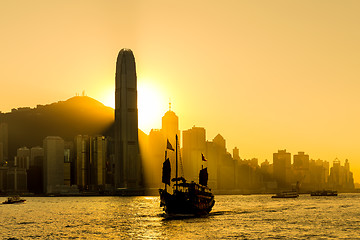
324,193
291,194
294,193
14,199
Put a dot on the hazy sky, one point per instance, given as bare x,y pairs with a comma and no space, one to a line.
266,75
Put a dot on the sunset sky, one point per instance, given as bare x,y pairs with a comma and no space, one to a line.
266,75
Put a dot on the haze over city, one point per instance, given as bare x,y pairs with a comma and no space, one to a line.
265,75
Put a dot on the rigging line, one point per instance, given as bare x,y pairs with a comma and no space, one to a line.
181,165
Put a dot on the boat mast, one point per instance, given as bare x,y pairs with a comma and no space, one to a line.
176,172
163,170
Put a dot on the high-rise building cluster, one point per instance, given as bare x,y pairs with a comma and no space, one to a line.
232,174
60,167
130,162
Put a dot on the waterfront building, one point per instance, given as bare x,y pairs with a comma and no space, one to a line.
348,176
213,161
53,164
340,176
3,178
301,169
301,161
22,159
282,167
319,173
266,170
169,129
4,142
16,180
90,162
2,161
226,168
67,167
194,144
128,167
236,154
36,156
154,157
98,161
35,171
170,126
82,160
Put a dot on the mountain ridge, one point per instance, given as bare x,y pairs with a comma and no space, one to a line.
76,115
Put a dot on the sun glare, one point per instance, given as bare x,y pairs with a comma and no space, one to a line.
109,99
151,107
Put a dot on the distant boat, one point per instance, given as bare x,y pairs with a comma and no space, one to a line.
14,199
290,194
294,193
324,193
186,198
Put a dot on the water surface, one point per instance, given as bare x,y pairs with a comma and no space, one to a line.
233,216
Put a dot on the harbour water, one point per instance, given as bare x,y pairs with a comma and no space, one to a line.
233,217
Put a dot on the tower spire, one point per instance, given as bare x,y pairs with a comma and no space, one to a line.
169,105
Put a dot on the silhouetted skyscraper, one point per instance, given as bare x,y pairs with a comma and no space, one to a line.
301,161
282,167
127,159
236,154
53,163
82,160
194,144
22,159
3,142
98,163
36,156
170,126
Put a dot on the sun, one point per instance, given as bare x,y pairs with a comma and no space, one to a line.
151,107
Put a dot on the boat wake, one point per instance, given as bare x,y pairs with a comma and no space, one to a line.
167,217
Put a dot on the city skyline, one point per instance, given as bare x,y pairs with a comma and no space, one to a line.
266,76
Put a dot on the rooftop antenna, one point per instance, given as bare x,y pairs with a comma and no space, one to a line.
169,104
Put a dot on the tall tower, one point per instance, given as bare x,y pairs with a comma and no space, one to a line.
127,160
4,142
53,174
282,167
170,126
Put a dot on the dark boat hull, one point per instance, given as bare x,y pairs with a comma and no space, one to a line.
12,202
295,196
324,193
286,195
181,203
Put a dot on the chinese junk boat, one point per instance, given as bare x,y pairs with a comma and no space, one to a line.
186,198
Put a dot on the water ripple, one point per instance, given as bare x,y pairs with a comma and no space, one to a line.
233,217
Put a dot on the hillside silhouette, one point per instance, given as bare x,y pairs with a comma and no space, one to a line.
77,115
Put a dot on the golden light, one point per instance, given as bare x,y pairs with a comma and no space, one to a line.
151,106
108,99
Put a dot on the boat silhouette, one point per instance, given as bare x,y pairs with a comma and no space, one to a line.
14,199
187,198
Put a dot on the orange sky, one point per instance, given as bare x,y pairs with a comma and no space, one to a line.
266,75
